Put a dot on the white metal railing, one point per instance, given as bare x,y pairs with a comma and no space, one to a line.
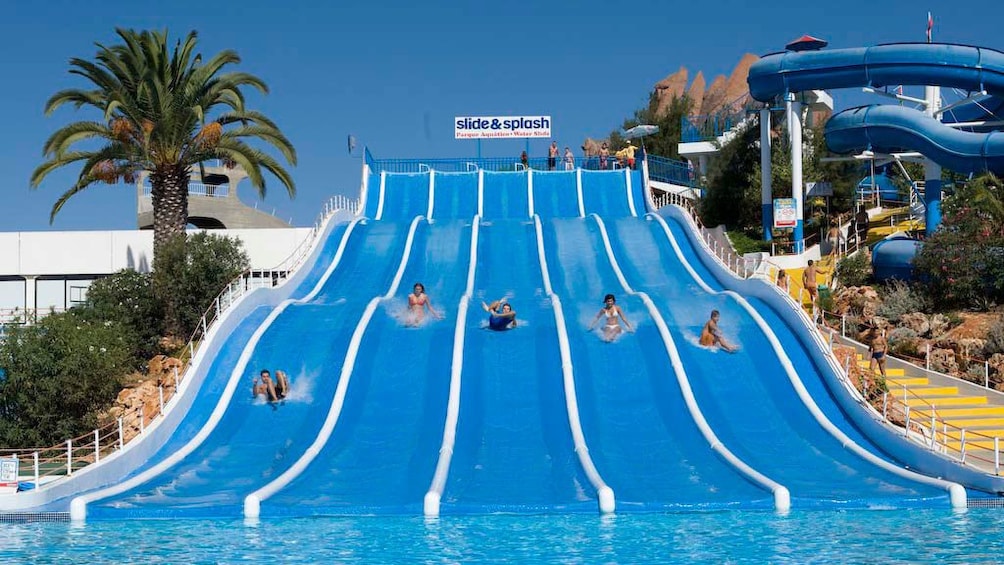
62,460
726,255
199,189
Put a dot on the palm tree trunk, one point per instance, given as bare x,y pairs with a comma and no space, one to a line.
169,195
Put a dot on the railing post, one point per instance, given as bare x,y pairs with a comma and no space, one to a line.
928,357
205,329
997,458
121,434
97,446
934,427
34,457
191,348
160,393
177,379
906,428
142,423
986,374
962,447
69,457
843,325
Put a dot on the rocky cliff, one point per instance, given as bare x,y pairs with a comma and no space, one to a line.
724,93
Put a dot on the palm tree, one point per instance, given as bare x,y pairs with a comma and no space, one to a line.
164,111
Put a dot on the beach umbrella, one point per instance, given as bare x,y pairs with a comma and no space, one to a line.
640,131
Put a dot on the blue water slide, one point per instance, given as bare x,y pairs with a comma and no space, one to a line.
607,193
749,397
505,195
889,128
555,194
958,66
456,196
514,451
980,109
405,196
385,443
640,434
254,441
375,185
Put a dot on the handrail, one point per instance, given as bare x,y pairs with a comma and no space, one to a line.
252,502
235,289
727,257
782,496
434,496
604,494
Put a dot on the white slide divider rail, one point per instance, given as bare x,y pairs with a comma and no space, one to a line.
529,192
383,192
434,496
782,497
630,197
78,506
252,502
481,193
432,194
578,192
604,493
957,493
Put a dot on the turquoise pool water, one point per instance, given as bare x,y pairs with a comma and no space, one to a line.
917,536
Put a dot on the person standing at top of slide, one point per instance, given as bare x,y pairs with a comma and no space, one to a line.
552,156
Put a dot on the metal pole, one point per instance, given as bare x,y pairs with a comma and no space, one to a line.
142,423
962,447
176,378
997,458
885,405
121,434
34,457
986,374
906,428
843,325
69,457
160,393
934,427
928,356
97,446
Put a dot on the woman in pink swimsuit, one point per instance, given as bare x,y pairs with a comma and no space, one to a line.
418,303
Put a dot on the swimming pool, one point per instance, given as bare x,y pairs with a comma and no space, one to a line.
918,536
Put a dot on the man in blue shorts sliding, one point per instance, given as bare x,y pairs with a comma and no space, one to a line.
501,316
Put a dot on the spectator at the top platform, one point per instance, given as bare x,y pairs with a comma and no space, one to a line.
525,160
569,159
604,155
552,156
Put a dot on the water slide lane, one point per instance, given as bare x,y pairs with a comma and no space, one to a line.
456,196
384,447
514,450
747,397
639,431
505,196
255,441
555,194
605,193
406,195
794,347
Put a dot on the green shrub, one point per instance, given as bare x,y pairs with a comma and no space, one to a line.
189,273
855,270
903,342
745,244
126,298
58,374
995,339
899,298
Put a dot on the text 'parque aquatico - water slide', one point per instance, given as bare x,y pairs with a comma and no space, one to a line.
892,128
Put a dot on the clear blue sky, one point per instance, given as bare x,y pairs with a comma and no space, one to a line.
395,73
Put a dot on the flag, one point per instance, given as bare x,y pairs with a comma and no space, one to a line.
351,143
930,26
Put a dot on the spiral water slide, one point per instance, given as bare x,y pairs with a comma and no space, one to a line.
889,128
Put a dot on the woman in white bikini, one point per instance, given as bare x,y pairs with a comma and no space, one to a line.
614,316
418,303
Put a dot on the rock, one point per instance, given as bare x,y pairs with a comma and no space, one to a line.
879,323
856,300
939,324
917,322
996,362
943,360
696,93
736,88
714,96
970,347
670,88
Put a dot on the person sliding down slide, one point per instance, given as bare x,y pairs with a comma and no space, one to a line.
501,316
614,316
711,335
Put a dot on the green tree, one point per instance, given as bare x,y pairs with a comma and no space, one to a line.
162,110
56,376
665,142
191,273
962,264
